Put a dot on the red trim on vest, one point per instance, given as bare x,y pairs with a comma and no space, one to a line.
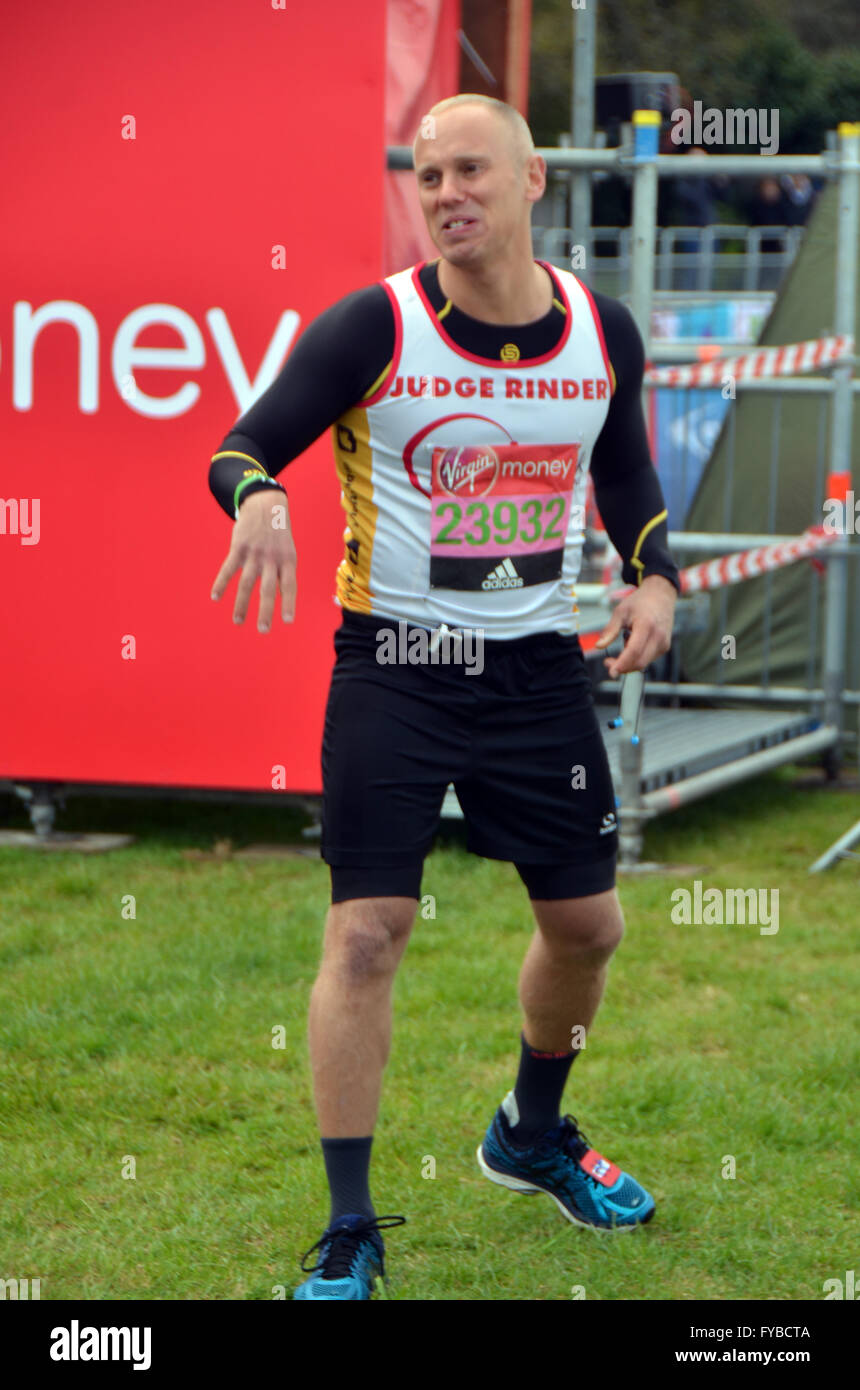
599,326
492,361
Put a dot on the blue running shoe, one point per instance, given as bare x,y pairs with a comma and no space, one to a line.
587,1188
351,1261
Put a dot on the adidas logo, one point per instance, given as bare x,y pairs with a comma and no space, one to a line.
607,825
504,576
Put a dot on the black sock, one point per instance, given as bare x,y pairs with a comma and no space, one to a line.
540,1085
347,1164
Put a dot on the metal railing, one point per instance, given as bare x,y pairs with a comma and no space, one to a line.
721,259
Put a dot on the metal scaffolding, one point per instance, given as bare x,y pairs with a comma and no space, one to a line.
679,755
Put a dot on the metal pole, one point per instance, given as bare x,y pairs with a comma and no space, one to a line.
646,128
582,118
838,851
799,695
740,166
840,437
631,816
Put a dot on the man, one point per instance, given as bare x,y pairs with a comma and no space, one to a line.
468,397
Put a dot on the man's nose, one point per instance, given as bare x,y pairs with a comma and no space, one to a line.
449,189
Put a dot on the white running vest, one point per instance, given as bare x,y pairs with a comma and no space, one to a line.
463,479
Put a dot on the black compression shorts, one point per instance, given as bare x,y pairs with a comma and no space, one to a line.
520,742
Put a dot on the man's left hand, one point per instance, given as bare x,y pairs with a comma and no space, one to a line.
648,612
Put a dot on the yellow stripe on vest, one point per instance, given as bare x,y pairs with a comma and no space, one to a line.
354,460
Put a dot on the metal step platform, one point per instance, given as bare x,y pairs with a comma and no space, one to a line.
681,743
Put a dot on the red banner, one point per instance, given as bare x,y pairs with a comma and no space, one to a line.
186,187
422,68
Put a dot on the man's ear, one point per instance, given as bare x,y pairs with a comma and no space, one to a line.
536,175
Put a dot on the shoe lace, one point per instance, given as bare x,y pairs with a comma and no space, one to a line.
573,1141
343,1244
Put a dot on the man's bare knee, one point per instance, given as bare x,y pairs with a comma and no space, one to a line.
590,927
366,937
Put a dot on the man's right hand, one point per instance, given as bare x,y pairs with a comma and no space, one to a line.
262,547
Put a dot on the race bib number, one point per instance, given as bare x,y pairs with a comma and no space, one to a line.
500,514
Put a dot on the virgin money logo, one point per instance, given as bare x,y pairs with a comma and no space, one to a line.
468,470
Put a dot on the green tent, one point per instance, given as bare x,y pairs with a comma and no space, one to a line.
735,495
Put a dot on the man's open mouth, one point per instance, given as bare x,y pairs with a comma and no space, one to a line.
454,224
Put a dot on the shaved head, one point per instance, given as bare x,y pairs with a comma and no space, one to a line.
518,135
479,176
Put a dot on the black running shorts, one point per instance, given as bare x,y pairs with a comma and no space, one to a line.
520,742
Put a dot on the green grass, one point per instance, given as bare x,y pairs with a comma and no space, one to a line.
151,1038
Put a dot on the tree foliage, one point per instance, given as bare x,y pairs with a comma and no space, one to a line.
802,60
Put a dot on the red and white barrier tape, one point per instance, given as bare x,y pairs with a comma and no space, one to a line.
764,362
746,564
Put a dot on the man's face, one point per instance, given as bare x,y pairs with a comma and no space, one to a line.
475,192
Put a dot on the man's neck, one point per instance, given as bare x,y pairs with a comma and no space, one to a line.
500,295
